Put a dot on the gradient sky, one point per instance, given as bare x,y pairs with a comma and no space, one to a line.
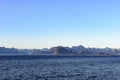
47,23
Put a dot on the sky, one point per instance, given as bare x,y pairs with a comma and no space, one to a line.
48,23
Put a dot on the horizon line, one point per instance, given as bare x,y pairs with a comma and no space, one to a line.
60,46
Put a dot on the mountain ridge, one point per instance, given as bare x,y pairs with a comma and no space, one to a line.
61,50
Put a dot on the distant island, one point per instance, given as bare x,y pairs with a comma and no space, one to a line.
60,50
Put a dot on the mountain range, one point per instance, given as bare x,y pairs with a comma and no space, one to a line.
60,50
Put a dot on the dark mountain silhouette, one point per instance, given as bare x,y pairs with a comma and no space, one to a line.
61,50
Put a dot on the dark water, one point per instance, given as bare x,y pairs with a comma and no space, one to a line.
60,68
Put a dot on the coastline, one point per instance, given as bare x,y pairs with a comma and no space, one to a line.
17,57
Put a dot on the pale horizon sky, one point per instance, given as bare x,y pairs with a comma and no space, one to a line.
48,23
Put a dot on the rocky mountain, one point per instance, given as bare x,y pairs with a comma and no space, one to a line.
37,51
95,50
4,50
60,50
79,50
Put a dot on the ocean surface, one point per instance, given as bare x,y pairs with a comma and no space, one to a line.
59,68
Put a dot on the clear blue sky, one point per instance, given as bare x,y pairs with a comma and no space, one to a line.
47,23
